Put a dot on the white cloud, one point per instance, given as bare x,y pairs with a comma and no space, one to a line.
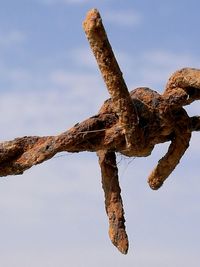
63,78
168,59
18,75
84,86
47,103
153,68
84,57
11,38
158,65
123,17
67,2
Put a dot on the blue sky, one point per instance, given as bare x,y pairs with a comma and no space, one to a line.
53,215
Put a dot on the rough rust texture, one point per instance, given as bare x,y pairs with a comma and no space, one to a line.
113,77
128,123
113,200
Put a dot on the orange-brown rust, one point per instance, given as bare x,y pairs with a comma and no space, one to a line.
113,77
113,200
130,123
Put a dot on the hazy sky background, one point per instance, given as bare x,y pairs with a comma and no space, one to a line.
53,215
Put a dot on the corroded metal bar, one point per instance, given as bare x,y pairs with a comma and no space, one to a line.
113,200
113,77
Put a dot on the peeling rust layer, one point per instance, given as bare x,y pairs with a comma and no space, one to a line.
130,123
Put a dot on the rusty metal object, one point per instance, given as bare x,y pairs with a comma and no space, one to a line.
113,200
130,123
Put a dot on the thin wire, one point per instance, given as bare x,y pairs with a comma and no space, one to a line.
128,161
93,131
61,156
